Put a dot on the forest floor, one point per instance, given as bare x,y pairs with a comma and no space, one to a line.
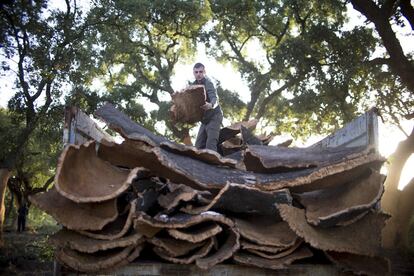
26,253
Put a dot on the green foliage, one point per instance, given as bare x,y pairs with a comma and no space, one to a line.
316,74
137,60
233,108
40,221
7,137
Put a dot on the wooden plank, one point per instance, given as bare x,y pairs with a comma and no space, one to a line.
362,131
79,128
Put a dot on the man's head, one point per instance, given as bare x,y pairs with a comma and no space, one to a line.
199,71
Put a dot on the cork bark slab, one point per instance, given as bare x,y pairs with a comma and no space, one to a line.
117,228
182,220
224,252
266,231
76,216
182,169
127,154
248,246
253,201
186,104
85,262
328,207
192,172
191,257
205,155
131,154
362,237
122,124
248,137
173,247
331,175
281,263
177,193
82,176
360,264
271,159
231,146
73,240
196,233
277,255
266,139
234,129
132,256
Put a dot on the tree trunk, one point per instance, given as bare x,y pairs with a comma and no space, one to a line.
399,204
9,208
4,177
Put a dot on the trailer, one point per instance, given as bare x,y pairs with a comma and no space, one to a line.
362,131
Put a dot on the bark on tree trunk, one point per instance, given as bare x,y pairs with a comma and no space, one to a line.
4,177
399,204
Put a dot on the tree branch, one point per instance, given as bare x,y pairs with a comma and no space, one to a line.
399,63
408,11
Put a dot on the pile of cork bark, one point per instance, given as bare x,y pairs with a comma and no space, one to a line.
268,206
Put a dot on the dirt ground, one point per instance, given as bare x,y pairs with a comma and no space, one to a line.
26,253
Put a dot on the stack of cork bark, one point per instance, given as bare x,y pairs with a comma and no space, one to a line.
149,198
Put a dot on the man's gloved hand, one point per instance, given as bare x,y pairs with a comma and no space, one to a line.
206,106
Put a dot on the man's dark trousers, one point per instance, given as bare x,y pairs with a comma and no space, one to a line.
208,133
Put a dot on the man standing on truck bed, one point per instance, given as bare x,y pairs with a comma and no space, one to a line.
208,133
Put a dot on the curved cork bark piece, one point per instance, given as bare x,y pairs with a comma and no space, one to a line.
230,246
181,220
272,159
328,207
177,193
281,263
82,176
189,171
131,257
205,155
182,169
265,231
231,146
249,138
117,228
127,154
196,233
85,262
359,264
362,237
266,139
248,245
186,107
278,255
121,123
230,131
173,247
330,175
190,258
254,201
76,216
353,219
73,240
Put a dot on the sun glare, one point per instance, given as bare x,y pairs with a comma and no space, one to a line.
389,138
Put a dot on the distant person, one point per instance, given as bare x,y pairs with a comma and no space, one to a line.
21,218
208,134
